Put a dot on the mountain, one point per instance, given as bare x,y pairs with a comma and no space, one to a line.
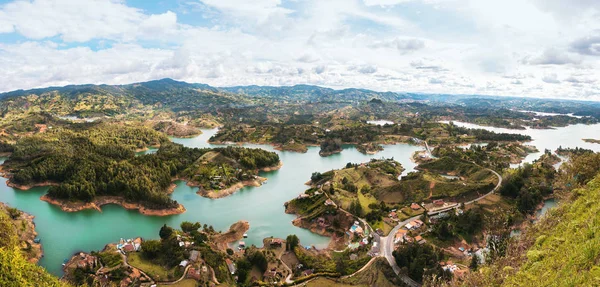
181,97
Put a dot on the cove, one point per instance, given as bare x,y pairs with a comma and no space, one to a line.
64,233
570,136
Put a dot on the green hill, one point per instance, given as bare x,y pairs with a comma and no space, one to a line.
563,249
15,270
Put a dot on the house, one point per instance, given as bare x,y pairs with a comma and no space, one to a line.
329,202
393,214
356,230
438,202
400,236
230,265
415,206
194,255
276,242
128,248
419,223
307,272
304,195
420,239
409,226
194,273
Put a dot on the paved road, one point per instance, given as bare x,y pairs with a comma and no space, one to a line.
387,247
387,243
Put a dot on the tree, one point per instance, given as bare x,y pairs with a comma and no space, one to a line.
151,249
165,232
187,226
291,242
474,262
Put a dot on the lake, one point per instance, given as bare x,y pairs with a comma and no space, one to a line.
380,122
570,136
63,233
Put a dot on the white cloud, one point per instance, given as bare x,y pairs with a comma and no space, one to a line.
551,57
551,79
517,47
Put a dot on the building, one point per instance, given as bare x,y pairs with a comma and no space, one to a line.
230,266
356,229
128,248
184,263
415,206
393,215
400,236
438,202
194,273
276,242
329,202
194,255
304,195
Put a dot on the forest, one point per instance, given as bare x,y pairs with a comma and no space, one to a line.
100,160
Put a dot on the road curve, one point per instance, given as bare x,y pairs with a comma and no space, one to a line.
387,243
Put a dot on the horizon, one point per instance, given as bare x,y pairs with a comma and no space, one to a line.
319,86
532,49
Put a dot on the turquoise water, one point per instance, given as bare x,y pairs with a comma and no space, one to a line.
548,204
569,136
64,233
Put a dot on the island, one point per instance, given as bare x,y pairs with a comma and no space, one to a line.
87,165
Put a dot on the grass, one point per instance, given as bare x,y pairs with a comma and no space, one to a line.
155,271
324,282
183,283
562,249
110,257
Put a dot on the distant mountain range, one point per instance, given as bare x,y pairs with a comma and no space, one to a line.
181,96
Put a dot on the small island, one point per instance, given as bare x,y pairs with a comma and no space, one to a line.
330,146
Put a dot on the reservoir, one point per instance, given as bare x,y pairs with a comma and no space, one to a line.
570,136
64,233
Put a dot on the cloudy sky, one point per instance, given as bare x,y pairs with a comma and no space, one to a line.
538,48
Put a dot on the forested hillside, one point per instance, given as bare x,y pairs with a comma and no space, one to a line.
563,248
15,270
83,161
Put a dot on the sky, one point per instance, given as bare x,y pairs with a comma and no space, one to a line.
532,48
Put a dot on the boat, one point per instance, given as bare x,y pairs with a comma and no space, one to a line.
245,235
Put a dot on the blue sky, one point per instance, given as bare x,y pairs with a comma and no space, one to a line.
539,48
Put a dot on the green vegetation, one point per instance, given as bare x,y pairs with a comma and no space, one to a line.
110,257
15,270
464,225
419,261
330,146
565,242
89,160
528,185
153,270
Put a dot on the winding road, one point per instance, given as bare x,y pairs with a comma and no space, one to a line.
387,243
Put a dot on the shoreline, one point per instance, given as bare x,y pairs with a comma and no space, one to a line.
26,233
221,193
100,201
